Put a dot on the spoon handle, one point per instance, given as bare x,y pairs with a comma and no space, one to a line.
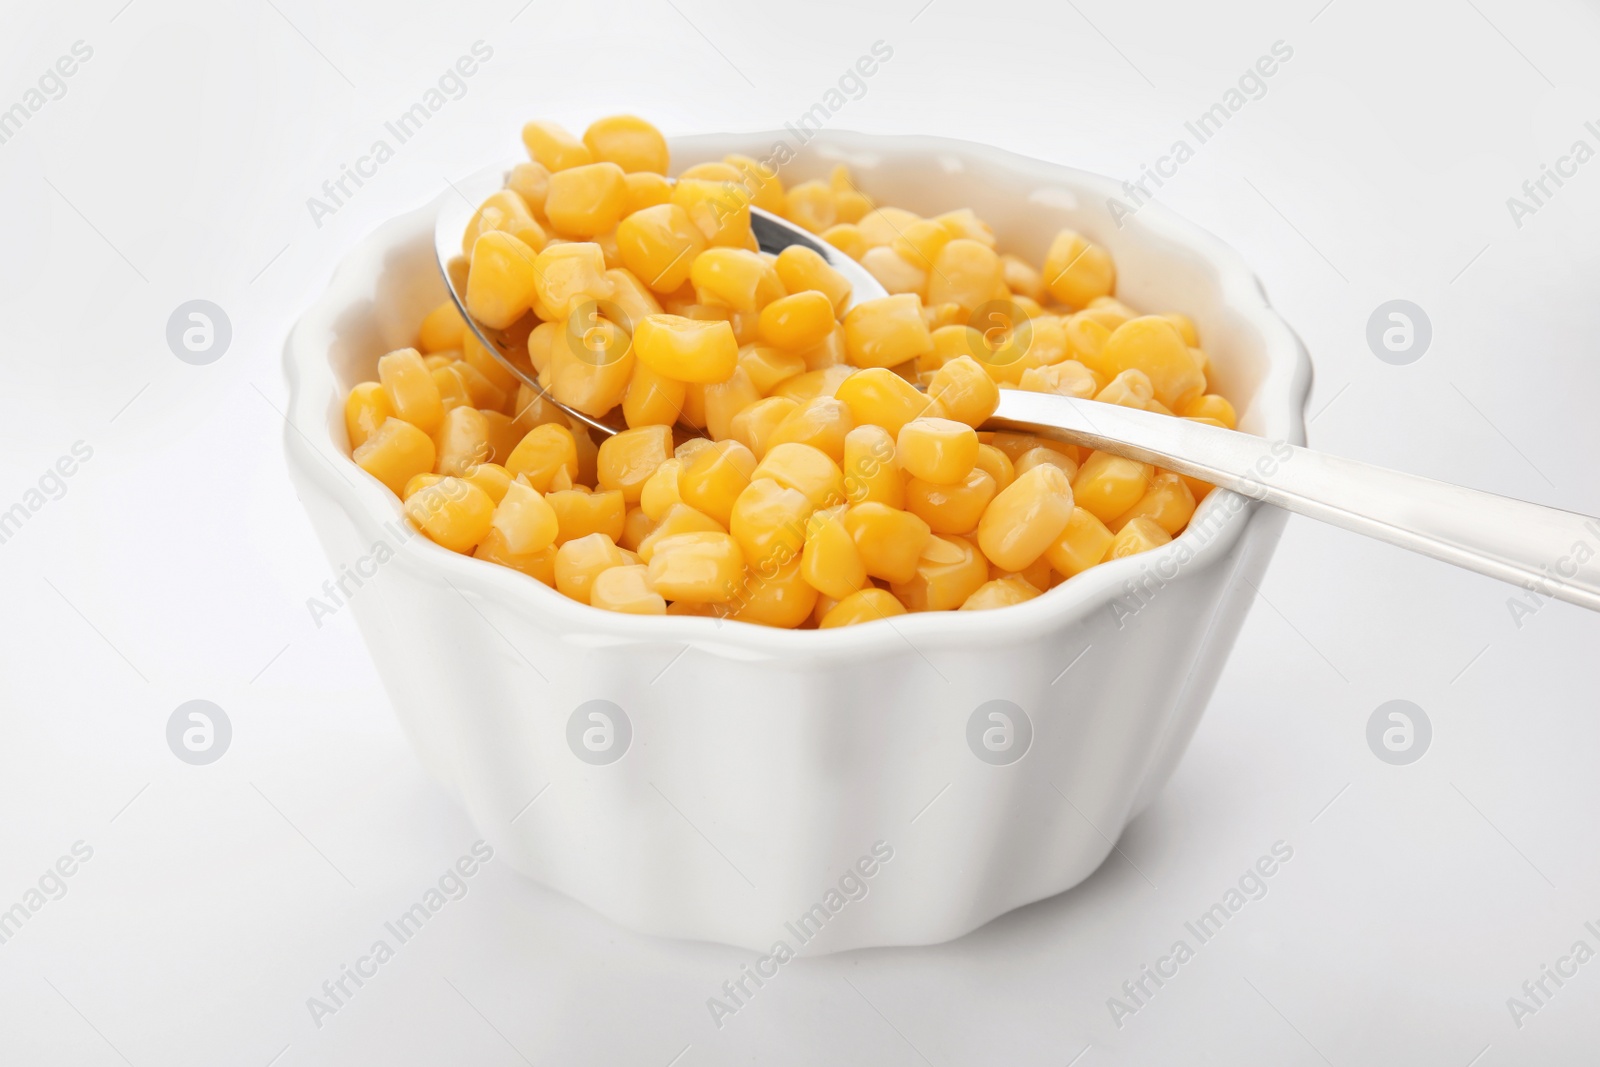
1551,552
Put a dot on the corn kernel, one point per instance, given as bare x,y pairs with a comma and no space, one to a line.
1185,327
1020,277
1038,574
652,398
1025,517
586,200
1108,485
776,596
1083,543
541,453
822,422
846,237
394,453
502,280
964,392
633,299
949,570
886,331
1035,456
871,473
687,350
628,141
583,559
721,210
769,522
713,480
996,464
452,512
867,605
804,468
660,490
881,397
810,205
580,513
1000,593
507,212
951,509
364,411
1211,406
801,268
898,275
567,276
1168,502
824,381
830,561
485,390
724,401
702,568
659,245
937,450
540,565
753,426
626,460
735,278
1076,271
531,181
453,391
760,182
1067,378
626,589
461,442
890,541
678,519
798,321
768,366
922,241
409,385
492,479
1152,344
442,329
591,362
1140,535
553,147
883,225
527,523
966,273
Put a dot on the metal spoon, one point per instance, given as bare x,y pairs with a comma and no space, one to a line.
1555,553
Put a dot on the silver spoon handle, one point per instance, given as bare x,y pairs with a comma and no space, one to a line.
1554,553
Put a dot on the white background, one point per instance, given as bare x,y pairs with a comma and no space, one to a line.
178,563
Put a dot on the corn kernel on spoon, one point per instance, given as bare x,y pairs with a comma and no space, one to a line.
1553,552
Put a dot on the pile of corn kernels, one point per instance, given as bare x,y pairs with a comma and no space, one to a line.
841,477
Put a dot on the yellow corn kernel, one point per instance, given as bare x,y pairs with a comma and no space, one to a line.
715,477
504,433
882,398
453,391
492,479
851,205
410,389
1130,388
1140,535
720,209
823,422
461,442
1108,485
996,464
897,274
687,350
628,141
659,245
951,509
966,272
626,589
418,482
800,269
1020,277
1168,502
442,328
452,512
886,331
505,211
580,513
1152,344
626,460
1076,271
1083,543
769,522
591,363
824,381
724,400
526,521
798,321
660,490
830,561
810,206
1033,457
883,225
583,559
1037,574
828,352
678,519
1025,517
586,200
804,468
768,366
846,237
735,278
867,605
951,342
1067,378
569,275
394,453
1000,593
440,360
1086,335
890,541
636,526
488,383
542,452
870,471
935,450
502,280
539,565
753,426
776,596
921,241
552,146
364,411
531,181
963,391
702,568
760,182
1208,406
652,399
1185,327
633,299
949,570
645,190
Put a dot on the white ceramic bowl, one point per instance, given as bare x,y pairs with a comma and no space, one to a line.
764,765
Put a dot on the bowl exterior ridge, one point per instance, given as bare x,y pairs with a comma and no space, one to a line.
765,766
